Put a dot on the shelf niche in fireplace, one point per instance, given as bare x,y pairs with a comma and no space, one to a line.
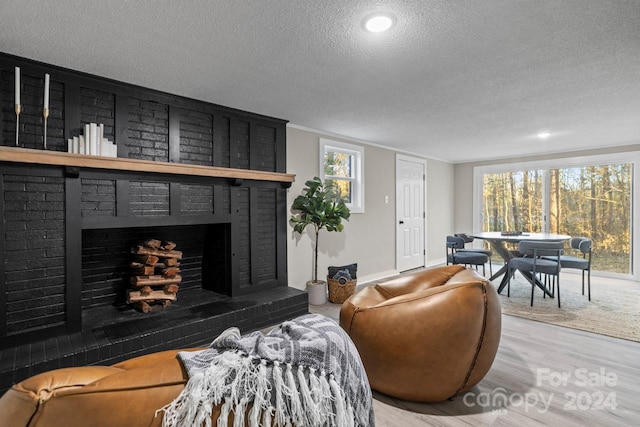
106,254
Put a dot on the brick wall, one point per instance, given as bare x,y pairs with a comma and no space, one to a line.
98,107
243,238
98,197
266,229
149,198
221,149
196,199
35,251
148,130
196,138
266,147
242,141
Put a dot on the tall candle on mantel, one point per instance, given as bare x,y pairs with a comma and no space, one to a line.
17,86
46,91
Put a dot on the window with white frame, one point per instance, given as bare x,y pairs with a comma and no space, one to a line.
342,165
596,197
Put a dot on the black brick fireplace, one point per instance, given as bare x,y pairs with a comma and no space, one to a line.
210,178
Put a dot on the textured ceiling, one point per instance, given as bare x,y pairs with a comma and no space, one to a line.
453,80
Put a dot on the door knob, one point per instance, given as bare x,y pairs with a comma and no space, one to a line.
401,222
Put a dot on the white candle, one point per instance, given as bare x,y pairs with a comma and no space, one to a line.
17,85
46,91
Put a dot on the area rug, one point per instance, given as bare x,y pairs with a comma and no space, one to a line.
612,311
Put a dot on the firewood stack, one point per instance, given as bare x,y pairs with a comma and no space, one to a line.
155,277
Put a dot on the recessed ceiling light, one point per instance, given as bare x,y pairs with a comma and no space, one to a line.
544,135
378,23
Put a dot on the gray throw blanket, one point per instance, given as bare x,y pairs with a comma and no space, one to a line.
305,372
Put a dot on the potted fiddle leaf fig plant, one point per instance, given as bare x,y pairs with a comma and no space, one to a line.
320,206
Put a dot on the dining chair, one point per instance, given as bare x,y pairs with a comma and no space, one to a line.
469,239
456,256
537,257
582,262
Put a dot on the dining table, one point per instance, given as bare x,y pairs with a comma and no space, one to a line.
499,240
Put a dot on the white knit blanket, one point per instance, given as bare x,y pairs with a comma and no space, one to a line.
305,372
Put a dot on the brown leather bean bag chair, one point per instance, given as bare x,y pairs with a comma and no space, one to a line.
125,394
427,336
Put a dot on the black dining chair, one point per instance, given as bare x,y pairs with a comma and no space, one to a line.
456,256
469,239
537,258
582,245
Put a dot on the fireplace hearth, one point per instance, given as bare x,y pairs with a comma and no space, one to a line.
111,336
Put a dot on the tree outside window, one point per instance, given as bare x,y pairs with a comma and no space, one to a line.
593,201
342,167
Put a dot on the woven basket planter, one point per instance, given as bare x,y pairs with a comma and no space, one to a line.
338,292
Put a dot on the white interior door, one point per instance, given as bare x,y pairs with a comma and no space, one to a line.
410,212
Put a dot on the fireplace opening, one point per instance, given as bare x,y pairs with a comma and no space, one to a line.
205,268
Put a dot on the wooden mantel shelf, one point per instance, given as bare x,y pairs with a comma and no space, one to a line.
57,158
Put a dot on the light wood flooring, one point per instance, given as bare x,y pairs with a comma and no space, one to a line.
542,375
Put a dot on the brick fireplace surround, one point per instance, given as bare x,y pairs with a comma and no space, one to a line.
210,178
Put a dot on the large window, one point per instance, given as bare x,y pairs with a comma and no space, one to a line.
590,197
341,165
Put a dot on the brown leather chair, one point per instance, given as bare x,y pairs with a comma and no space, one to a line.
125,394
426,336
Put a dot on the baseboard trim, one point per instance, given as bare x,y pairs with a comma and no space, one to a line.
436,262
377,276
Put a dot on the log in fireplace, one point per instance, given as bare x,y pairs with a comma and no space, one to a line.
155,274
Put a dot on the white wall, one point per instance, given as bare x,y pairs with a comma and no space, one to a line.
367,238
440,209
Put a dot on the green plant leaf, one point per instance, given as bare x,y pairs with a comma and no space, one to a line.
318,205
